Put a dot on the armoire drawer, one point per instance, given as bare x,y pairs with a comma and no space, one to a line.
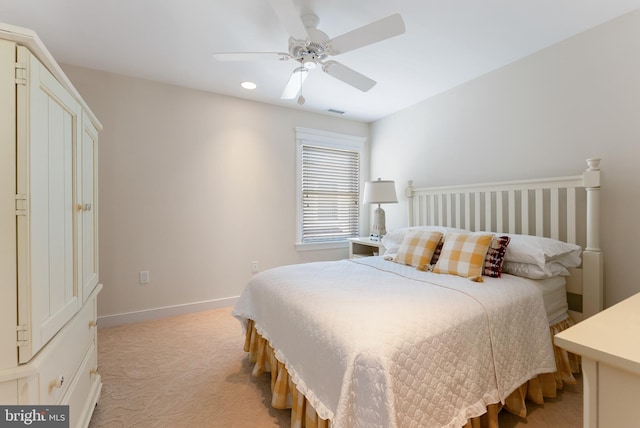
64,354
84,390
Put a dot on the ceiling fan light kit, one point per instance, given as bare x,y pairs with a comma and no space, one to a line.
311,47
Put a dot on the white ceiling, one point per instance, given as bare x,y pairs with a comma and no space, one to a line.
447,42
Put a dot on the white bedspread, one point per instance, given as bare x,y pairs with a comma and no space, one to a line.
371,343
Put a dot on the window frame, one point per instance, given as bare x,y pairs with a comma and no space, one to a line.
332,140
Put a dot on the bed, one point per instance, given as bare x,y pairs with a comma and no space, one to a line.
416,337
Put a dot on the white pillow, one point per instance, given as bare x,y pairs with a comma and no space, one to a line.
393,239
392,250
533,271
539,251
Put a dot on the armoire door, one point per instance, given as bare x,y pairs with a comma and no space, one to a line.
49,120
87,206
8,207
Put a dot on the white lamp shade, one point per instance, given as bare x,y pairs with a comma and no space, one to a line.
380,192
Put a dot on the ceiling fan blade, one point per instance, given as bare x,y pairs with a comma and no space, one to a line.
372,33
295,83
348,75
251,56
290,18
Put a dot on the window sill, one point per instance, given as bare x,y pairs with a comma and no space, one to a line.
318,246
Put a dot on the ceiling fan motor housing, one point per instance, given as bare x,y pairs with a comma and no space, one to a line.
301,48
313,49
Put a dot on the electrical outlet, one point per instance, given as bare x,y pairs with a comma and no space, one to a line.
143,277
254,267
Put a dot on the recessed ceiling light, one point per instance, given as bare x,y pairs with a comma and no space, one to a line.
248,85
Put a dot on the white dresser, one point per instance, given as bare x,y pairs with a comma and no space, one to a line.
610,349
49,233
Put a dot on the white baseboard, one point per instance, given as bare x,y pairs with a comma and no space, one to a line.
164,312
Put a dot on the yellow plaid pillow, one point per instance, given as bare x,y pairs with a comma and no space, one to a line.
463,255
417,248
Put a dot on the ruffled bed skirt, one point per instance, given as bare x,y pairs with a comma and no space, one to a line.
285,395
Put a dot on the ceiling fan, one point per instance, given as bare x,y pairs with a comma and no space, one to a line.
312,47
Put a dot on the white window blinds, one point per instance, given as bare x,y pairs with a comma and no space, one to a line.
330,194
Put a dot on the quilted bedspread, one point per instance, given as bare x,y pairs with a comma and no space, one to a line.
372,343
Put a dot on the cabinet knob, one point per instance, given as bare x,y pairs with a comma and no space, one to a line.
57,382
93,323
93,371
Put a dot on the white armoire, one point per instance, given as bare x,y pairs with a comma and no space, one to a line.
48,233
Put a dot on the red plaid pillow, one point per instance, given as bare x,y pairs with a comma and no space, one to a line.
495,257
436,253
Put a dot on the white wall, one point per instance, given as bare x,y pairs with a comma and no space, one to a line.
541,116
193,187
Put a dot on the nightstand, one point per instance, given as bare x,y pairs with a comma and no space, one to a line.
610,353
364,247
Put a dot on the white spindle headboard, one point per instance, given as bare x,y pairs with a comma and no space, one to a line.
563,208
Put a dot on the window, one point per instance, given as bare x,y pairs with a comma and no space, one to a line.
328,188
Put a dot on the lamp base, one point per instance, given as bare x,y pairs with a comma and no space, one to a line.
378,230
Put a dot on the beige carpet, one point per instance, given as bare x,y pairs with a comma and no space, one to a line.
191,371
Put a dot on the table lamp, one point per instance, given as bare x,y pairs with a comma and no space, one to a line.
379,192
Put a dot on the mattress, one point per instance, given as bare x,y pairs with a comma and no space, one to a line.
374,343
554,296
